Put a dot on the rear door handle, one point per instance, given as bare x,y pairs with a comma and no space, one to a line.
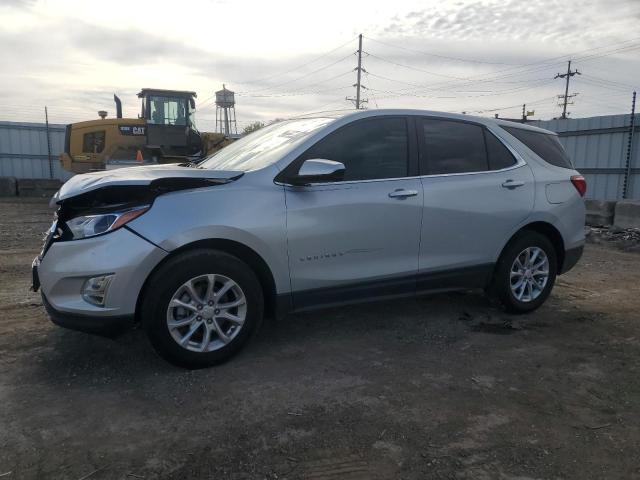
402,193
511,184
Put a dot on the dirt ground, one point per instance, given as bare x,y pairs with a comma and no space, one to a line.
440,387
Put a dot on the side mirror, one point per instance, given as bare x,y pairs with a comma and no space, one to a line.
318,170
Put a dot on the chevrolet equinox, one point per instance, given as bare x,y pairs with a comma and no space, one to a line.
312,212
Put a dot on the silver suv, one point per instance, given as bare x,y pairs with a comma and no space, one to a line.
308,213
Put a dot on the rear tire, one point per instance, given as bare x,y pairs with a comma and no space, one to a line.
201,307
525,273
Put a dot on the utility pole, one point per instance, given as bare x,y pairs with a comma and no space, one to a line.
46,119
566,95
359,71
627,173
358,101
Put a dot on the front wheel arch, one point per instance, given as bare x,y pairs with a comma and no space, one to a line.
231,247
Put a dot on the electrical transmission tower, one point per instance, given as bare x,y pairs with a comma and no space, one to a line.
358,101
565,98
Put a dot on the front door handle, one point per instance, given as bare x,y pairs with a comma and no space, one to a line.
511,184
402,193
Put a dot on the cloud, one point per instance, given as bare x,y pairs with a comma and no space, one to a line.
128,47
18,4
74,64
518,20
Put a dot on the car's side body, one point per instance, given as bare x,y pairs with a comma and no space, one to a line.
341,241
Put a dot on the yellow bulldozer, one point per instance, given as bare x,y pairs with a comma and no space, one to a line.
164,132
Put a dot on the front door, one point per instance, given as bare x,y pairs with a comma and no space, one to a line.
357,238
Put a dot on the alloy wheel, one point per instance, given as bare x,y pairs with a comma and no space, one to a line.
206,312
529,274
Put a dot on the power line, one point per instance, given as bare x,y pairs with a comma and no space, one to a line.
467,81
298,67
401,93
539,65
413,68
271,87
297,94
602,85
535,102
438,55
322,111
613,83
528,85
427,86
626,49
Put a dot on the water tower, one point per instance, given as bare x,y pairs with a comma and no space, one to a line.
226,112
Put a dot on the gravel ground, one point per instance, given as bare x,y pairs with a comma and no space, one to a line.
445,387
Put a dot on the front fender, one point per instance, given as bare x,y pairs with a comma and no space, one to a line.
248,212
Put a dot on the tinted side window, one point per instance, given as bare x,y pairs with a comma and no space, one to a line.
369,149
499,156
545,145
454,147
93,142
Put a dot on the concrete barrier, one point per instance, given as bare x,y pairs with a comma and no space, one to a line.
8,187
38,187
627,214
600,213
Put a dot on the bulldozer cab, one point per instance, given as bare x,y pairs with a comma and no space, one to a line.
169,115
164,132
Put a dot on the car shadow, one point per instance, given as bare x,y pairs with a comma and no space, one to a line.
441,319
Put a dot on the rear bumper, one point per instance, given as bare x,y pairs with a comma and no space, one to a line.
571,257
87,323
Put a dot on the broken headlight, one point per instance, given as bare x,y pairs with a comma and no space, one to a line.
91,225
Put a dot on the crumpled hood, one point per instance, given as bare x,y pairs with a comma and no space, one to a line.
142,175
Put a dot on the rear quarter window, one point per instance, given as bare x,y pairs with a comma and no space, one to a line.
545,145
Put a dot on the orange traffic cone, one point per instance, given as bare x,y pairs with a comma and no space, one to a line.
139,156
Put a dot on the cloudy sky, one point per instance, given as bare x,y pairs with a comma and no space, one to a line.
287,58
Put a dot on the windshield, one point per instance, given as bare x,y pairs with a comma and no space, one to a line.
167,110
265,146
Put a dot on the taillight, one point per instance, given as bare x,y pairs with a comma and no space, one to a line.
580,183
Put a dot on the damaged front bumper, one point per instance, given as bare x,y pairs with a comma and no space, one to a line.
87,323
66,267
93,266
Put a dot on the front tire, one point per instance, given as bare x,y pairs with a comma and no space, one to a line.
525,272
201,307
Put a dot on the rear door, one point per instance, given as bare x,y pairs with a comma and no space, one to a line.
359,237
475,193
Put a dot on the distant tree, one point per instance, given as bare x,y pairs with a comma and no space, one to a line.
252,127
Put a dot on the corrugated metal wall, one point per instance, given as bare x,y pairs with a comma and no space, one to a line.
598,148
23,150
